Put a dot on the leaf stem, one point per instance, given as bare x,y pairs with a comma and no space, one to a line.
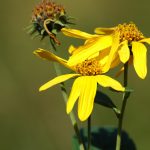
124,101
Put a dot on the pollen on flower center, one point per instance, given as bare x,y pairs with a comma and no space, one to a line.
129,32
89,67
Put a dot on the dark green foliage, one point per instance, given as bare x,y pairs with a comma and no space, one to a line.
104,138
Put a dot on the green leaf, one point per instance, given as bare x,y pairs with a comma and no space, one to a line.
104,138
104,100
75,143
94,148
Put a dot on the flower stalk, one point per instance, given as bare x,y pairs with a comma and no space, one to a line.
71,115
124,102
89,132
65,97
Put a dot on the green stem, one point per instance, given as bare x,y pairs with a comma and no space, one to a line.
65,97
89,132
125,97
72,116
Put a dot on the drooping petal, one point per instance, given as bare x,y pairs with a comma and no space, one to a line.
113,51
77,33
146,40
50,57
90,49
86,98
106,81
104,30
124,52
139,59
57,80
75,92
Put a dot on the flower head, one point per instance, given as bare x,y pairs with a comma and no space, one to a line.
88,74
48,18
128,45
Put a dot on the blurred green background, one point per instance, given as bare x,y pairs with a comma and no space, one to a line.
30,120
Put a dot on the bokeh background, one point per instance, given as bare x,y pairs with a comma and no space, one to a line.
30,120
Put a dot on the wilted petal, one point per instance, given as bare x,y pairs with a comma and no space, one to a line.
75,92
86,98
57,80
106,81
124,52
77,33
139,59
89,49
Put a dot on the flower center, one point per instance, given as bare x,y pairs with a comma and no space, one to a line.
129,32
89,67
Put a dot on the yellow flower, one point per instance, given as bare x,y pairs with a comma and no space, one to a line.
94,45
88,74
128,45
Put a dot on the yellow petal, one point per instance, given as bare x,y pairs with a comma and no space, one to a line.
146,40
116,61
57,80
113,51
75,92
103,58
124,52
48,55
94,55
106,81
51,57
119,72
74,50
139,59
104,53
90,49
104,30
77,33
71,49
87,94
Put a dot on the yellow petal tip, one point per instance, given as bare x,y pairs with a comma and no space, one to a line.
142,76
41,89
67,111
82,118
